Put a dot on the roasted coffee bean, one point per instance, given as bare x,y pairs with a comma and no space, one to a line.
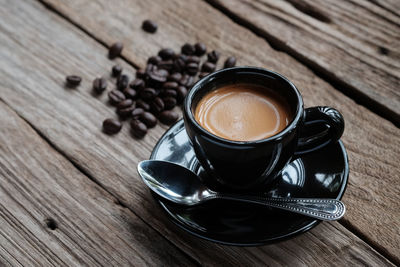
111,126
166,53
115,50
149,26
181,92
169,93
192,68
169,102
179,64
187,80
203,74
149,119
130,93
208,67
116,70
158,76
125,112
200,49
141,104
213,56
170,85
125,103
137,112
73,80
122,82
137,84
99,85
188,49
230,62
150,68
168,117
193,59
116,97
175,77
166,64
157,105
138,128
148,93
154,60
141,74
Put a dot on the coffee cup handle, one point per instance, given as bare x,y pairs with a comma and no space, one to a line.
322,126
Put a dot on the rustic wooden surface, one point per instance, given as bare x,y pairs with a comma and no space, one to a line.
354,42
39,48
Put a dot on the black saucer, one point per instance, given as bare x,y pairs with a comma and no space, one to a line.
320,174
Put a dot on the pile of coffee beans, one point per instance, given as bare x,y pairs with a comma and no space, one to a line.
157,89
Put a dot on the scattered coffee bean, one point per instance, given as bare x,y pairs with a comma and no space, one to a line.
125,112
166,53
149,26
200,49
149,119
158,76
187,80
208,67
138,128
181,92
115,50
170,85
137,84
169,102
99,85
141,104
188,49
125,103
168,117
154,60
169,93
166,64
157,105
122,82
230,62
193,59
73,80
116,70
179,63
141,74
148,93
111,126
137,112
213,56
203,74
130,93
175,77
192,68
116,97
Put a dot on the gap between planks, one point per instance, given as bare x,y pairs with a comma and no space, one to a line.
358,96
91,178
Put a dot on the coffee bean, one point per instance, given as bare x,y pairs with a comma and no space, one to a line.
149,26
175,77
193,59
99,85
115,50
148,93
188,49
169,93
192,68
149,119
168,117
137,112
166,53
116,70
130,93
203,74
230,62
138,128
154,60
208,67
158,76
150,68
213,56
170,85
179,64
187,80
116,97
141,104
125,112
73,80
200,49
157,105
169,102
111,126
181,92
125,103
166,64
137,84
141,74
122,82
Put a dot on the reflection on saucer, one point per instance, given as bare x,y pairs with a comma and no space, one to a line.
294,173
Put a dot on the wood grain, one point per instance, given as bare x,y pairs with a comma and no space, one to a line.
370,139
40,48
356,43
53,215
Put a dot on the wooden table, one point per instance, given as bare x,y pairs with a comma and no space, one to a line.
70,195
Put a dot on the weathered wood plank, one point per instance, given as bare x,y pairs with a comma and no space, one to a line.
39,49
51,214
355,42
369,138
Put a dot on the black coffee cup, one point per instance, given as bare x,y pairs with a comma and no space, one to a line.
252,166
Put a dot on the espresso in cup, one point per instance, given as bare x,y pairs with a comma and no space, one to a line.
243,112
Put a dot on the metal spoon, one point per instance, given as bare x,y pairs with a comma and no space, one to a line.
180,185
